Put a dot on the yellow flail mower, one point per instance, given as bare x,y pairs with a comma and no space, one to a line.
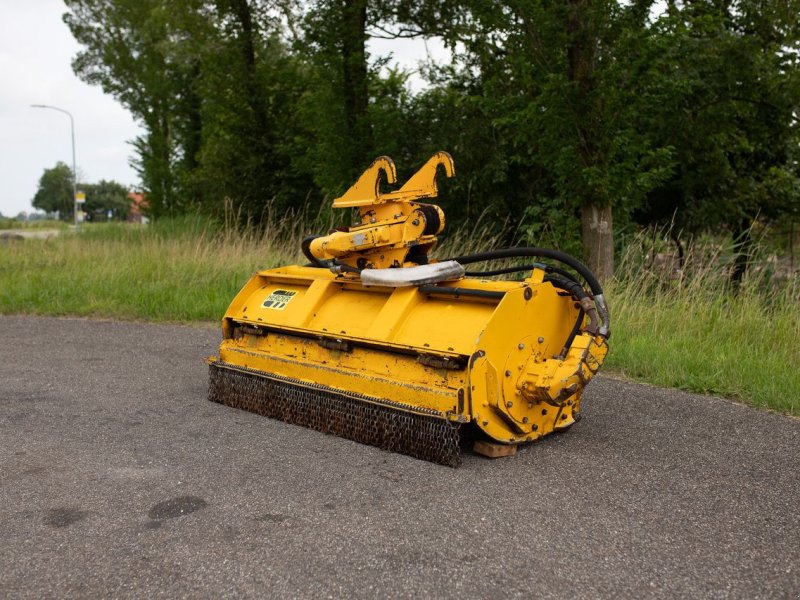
375,341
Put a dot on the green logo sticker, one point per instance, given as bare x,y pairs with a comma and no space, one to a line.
278,299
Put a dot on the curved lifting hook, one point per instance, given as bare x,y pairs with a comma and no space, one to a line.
422,184
366,190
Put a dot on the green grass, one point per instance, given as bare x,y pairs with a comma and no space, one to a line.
691,333
187,270
740,346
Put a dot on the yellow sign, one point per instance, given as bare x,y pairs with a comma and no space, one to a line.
278,299
80,197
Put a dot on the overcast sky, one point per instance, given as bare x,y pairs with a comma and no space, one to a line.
35,53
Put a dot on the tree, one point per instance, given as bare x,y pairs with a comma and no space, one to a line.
124,51
215,89
104,197
553,92
731,89
55,192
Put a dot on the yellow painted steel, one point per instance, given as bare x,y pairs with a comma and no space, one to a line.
504,355
390,224
384,342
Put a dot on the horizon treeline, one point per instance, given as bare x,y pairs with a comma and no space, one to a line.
570,121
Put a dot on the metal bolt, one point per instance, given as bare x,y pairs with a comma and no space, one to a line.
524,419
415,222
541,339
508,373
535,427
373,220
544,411
509,404
521,346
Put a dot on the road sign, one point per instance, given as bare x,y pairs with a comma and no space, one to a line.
80,197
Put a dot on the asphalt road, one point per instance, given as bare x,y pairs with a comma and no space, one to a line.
119,479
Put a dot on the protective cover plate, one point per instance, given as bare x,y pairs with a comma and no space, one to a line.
448,270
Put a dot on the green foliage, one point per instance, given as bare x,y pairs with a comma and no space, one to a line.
729,84
124,44
104,197
55,192
684,112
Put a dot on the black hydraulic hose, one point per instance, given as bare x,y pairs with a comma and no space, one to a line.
520,268
305,246
343,267
583,270
587,306
522,252
517,269
572,287
575,329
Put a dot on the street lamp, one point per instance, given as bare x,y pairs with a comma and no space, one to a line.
74,170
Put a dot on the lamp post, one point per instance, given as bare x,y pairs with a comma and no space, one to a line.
74,170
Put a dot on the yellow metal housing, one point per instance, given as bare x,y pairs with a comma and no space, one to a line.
315,346
490,360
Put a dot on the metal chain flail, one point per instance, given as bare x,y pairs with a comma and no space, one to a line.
417,432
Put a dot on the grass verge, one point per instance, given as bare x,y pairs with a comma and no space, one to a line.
691,332
184,270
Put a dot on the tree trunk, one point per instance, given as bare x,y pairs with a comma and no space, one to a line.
596,223
597,231
355,85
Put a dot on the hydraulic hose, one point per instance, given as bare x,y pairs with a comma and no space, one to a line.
587,306
566,259
522,252
520,268
305,246
313,261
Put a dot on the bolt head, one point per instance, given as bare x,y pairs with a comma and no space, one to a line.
508,373
509,404
521,346
541,340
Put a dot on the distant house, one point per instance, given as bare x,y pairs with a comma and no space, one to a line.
139,206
